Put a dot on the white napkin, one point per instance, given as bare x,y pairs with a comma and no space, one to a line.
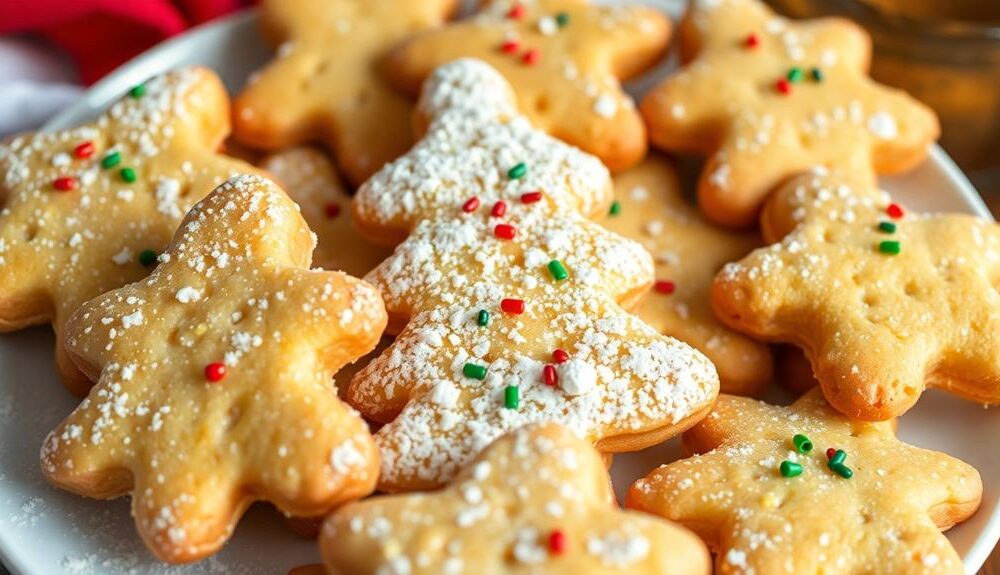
36,81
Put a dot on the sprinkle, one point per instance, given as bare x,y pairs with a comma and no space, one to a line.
895,211
664,287
549,375
531,197
499,209
557,542
505,231
562,18
842,470
64,183
137,91
332,210
830,452
516,12
474,371
790,469
795,75
802,443
531,57
510,47
512,306
783,86
483,319
111,159
214,372
557,270
890,247
84,150
838,457
470,205
616,208
817,74
128,175
559,355
511,399
752,41
887,227
147,258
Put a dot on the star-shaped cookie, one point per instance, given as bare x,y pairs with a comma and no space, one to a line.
884,303
87,210
768,497
650,208
510,298
326,85
565,60
766,98
214,384
536,501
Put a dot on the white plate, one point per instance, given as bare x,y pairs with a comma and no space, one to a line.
47,531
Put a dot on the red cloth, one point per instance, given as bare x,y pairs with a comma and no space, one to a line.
100,35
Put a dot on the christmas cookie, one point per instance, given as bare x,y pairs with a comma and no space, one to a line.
311,180
325,82
564,58
884,302
510,298
766,98
688,251
214,379
803,489
536,501
87,210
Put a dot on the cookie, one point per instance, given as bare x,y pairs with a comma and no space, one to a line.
536,501
765,98
86,210
884,303
688,251
510,298
310,179
565,60
803,489
325,84
213,379
792,370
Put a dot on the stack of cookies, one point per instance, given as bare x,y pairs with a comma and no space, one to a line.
538,295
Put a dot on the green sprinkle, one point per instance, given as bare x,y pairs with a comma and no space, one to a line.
474,371
484,318
557,270
616,208
518,171
137,91
802,443
795,75
562,19
842,470
511,398
889,247
887,227
148,258
111,159
790,469
817,74
838,458
128,175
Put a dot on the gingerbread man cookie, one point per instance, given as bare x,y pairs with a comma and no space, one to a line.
325,83
565,60
803,489
688,251
536,501
214,379
88,210
884,303
767,98
311,181
510,298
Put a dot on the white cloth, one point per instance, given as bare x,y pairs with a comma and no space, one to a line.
36,81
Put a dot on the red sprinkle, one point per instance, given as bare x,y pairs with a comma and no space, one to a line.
65,183
783,86
332,210
895,211
531,197
557,542
531,57
753,40
516,12
510,47
664,287
471,204
831,452
505,231
84,150
499,209
214,372
560,356
549,375
512,306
